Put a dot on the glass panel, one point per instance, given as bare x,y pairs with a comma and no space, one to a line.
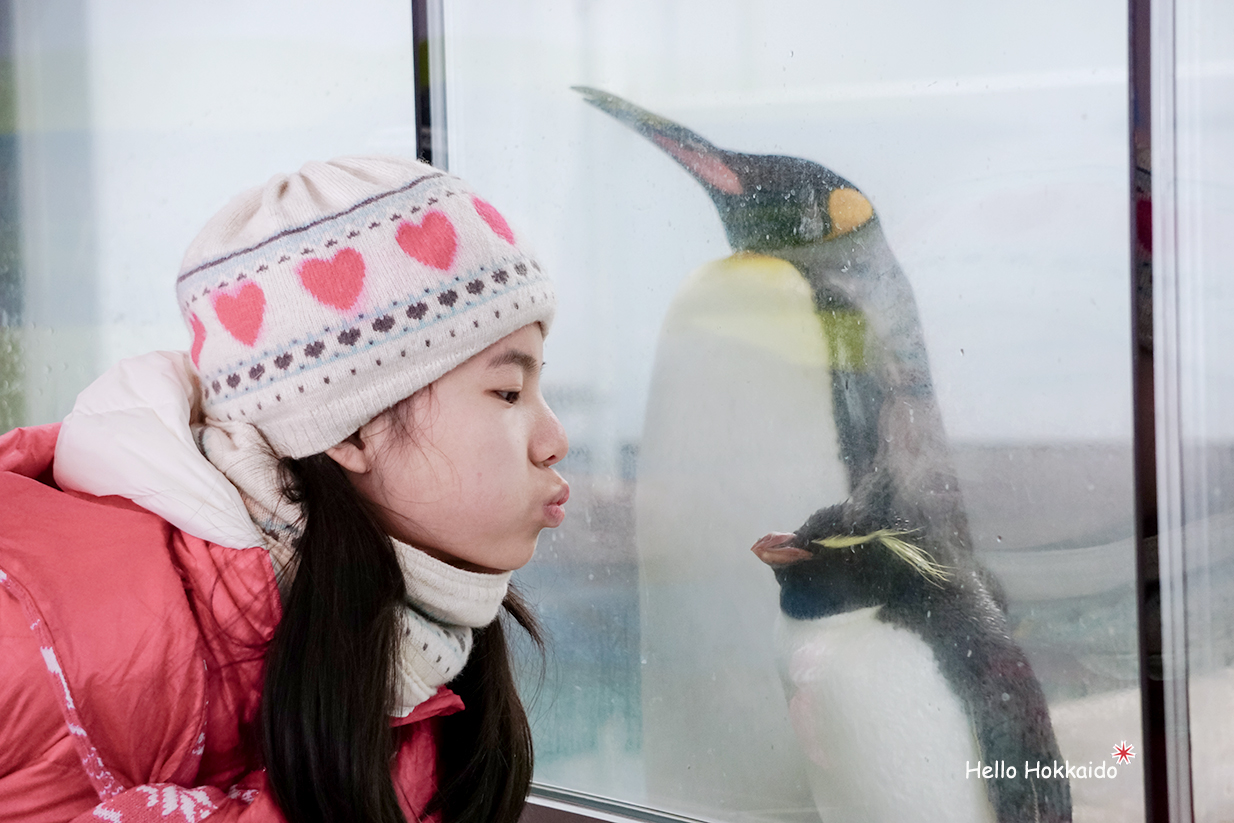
124,126
1193,169
713,399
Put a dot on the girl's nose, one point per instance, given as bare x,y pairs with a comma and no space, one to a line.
551,443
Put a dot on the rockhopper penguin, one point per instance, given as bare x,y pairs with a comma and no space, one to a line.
894,646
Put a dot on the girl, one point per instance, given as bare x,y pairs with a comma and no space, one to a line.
235,583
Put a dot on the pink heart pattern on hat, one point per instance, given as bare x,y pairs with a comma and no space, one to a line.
241,312
335,282
433,241
309,332
494,219
199,338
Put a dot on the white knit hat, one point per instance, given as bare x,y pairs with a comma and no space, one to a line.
324,297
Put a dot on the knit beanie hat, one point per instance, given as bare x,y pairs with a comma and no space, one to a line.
324,297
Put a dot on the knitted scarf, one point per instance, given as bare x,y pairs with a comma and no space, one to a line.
444,603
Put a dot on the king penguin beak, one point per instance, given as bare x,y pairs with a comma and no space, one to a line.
707,163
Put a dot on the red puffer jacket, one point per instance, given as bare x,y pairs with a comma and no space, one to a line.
131,662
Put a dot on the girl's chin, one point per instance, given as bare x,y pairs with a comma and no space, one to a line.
509,556
496,564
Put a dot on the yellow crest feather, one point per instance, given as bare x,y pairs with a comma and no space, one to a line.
912,554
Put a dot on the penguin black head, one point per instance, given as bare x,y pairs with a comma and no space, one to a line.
818,582
766,201
833,565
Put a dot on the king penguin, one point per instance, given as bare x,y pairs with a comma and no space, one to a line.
906,693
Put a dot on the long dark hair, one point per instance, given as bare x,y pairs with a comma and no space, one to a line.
326,737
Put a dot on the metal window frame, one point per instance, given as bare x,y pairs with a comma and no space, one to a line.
429,56
550,804
1149,594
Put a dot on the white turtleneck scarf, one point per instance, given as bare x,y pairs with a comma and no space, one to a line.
444,603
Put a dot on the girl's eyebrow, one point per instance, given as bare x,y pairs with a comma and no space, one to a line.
519,358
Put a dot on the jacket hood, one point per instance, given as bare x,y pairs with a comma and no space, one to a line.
129,434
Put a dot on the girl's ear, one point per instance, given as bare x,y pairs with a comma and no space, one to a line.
353,454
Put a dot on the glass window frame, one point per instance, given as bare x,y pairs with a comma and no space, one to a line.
1160,579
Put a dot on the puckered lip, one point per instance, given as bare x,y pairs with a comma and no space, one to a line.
562,496
554,513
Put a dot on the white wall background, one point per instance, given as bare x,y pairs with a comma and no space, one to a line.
180,106
992,139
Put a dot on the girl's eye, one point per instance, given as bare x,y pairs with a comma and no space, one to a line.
510,397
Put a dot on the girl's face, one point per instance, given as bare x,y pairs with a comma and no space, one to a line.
464,470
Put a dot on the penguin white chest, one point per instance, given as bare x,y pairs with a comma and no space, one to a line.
885,736
738,441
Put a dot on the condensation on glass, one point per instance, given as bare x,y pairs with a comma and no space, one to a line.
992,144
699,387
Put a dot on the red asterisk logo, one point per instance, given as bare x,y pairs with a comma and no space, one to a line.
1123,752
